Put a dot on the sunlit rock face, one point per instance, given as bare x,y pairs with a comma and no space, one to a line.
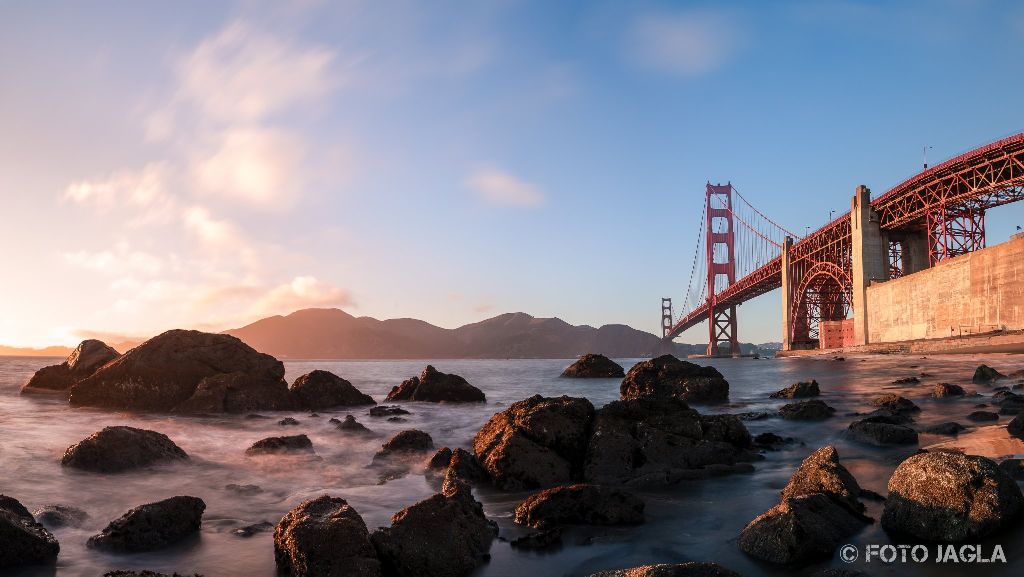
591,366
433,386
222,373
324,537
667,377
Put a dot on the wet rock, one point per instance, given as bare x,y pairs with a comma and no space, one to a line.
895,404
23,542
433,386
250,530
279,445
821,472
151,526
949,428
906,381
983,416
985,374
882,430
806,411
412,441
1016,426
246,490
324,537
116,449
798,390
667,377
539,540
592,366
167,370
387,410
1014,468
351,426
649,441
946,390
950,497
446,535
688,569
580,505
801,530
89,356
1011,404
288,422
536,442
319,390
397,420
771,442
463,465
57,516
439,460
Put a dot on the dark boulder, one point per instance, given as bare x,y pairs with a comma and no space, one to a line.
458,463
406,443
324,537
652,441
446,535
946,390
806,411
280,445
89,356
351,426
591,366
821,472
948,428
539,540
116,449
906,381
167,370
950,497
667,377
985,374
1014,468
580,505
1016,426
536,442
800,530
288,422
882,430
1010,404
433,386
771,442
983,416
23,541
798,390
387,411
688,569
319,390
438,462
895,404
151,526
57,516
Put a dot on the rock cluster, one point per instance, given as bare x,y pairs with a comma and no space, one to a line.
89,356
667,377
433,386
592,366
798,390
117,449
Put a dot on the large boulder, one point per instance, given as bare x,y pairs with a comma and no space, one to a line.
580,505
167,370
116,449
446,535
324,537
882,430
90,355
667,377
536,442
800,530
281,445
22,540
151,526
318,390
433,386
821,472
651,441
688,569
985,374
950,497
592,366
806,411
799,390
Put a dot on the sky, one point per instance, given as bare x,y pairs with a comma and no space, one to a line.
205,164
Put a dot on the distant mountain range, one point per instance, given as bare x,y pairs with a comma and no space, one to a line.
335,334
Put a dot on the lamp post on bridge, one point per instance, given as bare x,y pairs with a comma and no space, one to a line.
924,155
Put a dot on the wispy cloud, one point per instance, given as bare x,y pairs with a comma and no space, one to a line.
686,43
498,187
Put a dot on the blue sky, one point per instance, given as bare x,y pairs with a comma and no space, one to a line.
204,164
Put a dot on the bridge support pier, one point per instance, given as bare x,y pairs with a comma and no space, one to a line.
870,258
787,296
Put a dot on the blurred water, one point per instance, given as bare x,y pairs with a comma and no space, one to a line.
691,521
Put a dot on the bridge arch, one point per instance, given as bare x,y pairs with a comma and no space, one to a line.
823,293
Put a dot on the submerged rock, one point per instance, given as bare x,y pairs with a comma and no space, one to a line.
116,449
580,505
667,377
90,355
882,430
250,530
985,374
351,426
288,422
406,443
167,370
946,390
983,416
771,442
324,537
539,540
387,410
591,366
151,526
278,445
949,428
433,386
906,381
23,541
806,411
536,442
798,390
950,497
446,535
688,569
319,390
57,516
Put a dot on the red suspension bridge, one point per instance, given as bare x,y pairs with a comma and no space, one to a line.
742,253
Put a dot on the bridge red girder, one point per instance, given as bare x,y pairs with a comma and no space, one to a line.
966,185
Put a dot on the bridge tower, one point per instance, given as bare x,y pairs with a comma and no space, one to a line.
721,259
666,316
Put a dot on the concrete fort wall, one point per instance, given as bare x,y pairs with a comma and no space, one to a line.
977,292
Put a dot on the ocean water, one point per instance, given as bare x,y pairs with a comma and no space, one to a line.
696,520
